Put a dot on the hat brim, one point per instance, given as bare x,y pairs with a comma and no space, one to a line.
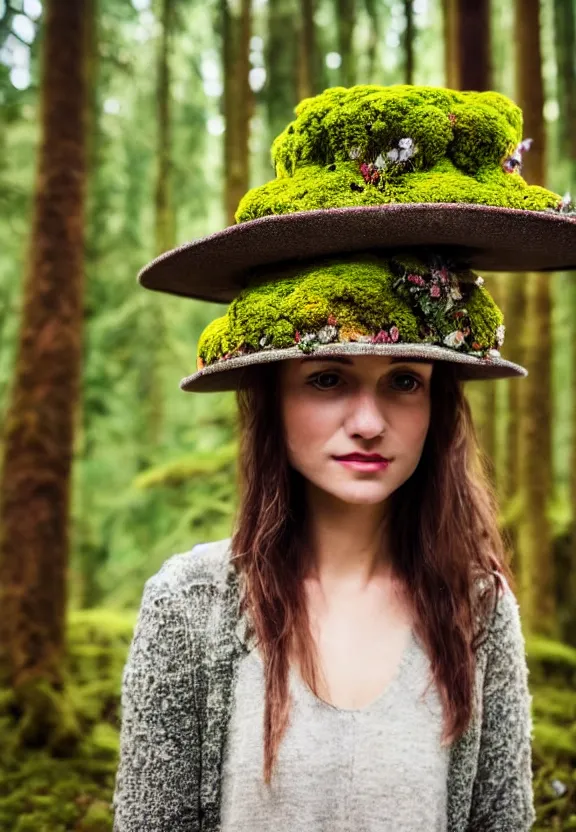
230,374
479,237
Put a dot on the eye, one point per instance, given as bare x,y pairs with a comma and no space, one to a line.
407,383
325,381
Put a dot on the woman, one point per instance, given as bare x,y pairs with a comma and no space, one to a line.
352,658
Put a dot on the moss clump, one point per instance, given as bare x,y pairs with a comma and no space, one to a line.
43,792
460,141
362,298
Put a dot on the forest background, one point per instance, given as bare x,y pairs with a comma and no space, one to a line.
127,128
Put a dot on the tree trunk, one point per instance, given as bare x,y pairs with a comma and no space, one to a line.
535,442
309,71
164,232
565,43
238,100
510,493
409,42
38,441
165,221
282,65
346,19
473,44
449,17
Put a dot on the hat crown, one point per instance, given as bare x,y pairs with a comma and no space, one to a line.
363,123
371,145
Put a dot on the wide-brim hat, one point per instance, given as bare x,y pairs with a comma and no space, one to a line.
381,168
404,305
376,170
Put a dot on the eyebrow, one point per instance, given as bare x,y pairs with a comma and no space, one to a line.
342,360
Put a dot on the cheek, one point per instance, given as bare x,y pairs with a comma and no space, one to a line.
307,425
415,425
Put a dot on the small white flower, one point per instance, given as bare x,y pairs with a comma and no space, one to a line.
479,281
380,162
263,341
406,144
308,337
500,333
393,155
354,153
493,353
454,339
455,293
327,334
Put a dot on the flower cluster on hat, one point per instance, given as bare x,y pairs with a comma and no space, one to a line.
389,161
566,205
514,161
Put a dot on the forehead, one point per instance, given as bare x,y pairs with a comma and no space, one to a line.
358,360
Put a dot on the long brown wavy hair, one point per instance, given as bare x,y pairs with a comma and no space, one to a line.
443,535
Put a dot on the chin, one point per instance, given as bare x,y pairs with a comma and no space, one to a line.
360,494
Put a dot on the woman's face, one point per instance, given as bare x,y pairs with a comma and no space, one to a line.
374,406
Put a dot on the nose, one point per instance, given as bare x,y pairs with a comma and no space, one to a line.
365,417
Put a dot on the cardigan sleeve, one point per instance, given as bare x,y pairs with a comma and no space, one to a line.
502,798
158,776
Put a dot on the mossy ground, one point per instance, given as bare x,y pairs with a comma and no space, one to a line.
40,793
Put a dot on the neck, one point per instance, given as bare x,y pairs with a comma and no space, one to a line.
347,542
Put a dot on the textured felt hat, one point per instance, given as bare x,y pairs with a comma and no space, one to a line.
403,305
375,168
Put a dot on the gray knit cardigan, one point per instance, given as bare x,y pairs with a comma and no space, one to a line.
177,694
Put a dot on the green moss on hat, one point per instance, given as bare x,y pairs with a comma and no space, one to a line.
358,298
372,145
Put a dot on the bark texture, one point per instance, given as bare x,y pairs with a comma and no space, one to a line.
40,423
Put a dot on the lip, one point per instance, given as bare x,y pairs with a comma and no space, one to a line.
364,462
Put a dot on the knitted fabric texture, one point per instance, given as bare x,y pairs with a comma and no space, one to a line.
371,145
177,698
363,299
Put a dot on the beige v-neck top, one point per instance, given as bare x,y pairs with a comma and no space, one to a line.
374,769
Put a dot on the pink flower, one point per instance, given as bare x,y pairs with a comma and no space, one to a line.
382,338
435,291
394,333
417,279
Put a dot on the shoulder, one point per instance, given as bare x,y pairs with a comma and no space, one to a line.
206,564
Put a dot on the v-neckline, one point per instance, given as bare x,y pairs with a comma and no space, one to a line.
387,694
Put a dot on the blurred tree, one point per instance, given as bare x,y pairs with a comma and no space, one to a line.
165,218
535,442
345,22
565,43
282,54
238,99
469,24
39,431
473,44
449,12
373,10
409,41
309,69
